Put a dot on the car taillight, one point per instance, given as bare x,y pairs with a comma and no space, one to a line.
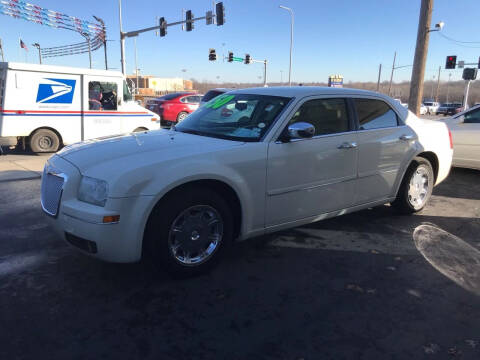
451,139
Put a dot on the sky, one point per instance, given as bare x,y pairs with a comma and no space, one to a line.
347,37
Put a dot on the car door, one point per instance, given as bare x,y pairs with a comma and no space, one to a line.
101,117
466,139
385,144
308,177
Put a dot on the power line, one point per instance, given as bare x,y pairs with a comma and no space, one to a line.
461,43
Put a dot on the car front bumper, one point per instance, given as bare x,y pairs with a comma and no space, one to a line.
82,224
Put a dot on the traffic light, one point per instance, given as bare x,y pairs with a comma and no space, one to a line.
469,74
248,59
220,13
163,26
230,56
189,17
212,56
451,62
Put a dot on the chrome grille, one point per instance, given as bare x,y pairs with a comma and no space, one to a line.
52,186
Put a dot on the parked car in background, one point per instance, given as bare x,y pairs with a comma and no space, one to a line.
280,157
448,108
173,108
432,106
423,109
465,129
213,93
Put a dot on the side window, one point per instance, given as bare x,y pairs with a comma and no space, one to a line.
127,95
184,100
472,117
102,96
375,114
329,116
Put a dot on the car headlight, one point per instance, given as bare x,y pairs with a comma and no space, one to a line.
93,191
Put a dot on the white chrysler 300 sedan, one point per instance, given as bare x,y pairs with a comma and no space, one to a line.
246,163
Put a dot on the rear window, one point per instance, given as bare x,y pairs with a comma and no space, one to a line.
210,95
170,96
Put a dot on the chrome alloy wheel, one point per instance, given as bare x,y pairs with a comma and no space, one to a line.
195,235
418,187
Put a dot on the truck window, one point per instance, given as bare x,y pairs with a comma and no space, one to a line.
127,95
102,96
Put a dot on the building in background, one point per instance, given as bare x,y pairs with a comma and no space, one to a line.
149,85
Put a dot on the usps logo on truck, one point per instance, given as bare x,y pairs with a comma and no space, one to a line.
56,91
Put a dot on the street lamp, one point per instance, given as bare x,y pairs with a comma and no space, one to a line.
37,45
291,42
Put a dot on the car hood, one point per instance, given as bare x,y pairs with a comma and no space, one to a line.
167,143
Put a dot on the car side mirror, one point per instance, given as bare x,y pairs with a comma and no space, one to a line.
301,130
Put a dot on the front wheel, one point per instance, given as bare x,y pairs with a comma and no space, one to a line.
416,187
188,232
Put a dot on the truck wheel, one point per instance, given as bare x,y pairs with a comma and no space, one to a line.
416,187
44,140
182,116
188,232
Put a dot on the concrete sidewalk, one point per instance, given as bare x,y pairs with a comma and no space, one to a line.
21,167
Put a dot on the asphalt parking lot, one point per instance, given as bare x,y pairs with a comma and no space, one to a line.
369,285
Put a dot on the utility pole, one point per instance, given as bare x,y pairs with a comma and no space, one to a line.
379,75
448,86
1,51
265,76
122,39
420,59
391,75
137,85
465,97
438,84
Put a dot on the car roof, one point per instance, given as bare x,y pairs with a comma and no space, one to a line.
302,91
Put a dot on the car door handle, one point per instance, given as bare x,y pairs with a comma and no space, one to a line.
406,137
348,145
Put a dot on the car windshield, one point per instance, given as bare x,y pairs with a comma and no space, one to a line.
428,104
211,94
241,117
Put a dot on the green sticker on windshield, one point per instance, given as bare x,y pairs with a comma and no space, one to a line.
219,101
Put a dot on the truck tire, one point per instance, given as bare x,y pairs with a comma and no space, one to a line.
44,140
188,232
416,187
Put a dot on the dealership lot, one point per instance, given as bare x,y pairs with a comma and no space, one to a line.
372,284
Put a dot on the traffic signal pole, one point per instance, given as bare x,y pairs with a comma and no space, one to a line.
161,28
420,59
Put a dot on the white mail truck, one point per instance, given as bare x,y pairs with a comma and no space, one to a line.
46,107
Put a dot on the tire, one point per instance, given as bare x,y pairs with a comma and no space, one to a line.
181,116
416,187
44,140
179,221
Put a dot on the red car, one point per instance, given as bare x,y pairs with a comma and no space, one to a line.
175,107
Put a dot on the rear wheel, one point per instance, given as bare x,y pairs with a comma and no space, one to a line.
188,232
44,140
416,187
182,116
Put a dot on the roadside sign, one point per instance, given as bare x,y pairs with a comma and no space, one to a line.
335,81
